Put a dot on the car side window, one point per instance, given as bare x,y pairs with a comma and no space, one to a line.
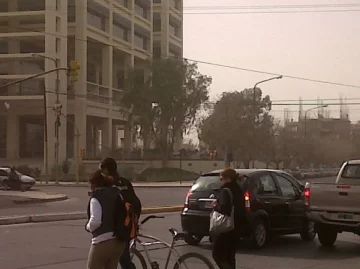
266,185
3,174
286,186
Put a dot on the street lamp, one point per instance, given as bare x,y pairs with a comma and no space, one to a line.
57,120
254,99
305,119
257,83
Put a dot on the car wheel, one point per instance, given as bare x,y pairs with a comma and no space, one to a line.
193,240
308,232
327,236
260,234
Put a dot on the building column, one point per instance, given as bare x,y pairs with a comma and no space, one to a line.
107,136
12,136
80,86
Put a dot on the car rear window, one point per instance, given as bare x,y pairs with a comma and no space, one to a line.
212,181
207,182
351,171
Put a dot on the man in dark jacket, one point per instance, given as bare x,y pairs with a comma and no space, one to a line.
109,167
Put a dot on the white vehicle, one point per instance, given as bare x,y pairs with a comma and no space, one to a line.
335,207
25,182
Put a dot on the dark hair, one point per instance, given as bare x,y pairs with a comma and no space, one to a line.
110,165
229,173
98,180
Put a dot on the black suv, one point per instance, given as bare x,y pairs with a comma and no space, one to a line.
274,202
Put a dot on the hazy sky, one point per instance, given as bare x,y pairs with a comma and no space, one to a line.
322,46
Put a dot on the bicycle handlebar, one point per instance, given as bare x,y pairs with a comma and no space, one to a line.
151,217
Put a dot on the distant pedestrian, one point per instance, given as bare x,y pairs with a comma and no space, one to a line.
230,197
106,214
109,169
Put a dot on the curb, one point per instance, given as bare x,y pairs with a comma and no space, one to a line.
52,217
186,185
40,200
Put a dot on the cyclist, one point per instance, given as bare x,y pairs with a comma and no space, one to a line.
109,168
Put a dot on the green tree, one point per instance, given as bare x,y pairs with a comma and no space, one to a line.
166,103
238,123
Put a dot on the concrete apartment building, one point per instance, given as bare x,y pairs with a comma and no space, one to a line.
107,38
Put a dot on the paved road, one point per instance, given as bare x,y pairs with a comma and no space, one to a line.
64,245
78,198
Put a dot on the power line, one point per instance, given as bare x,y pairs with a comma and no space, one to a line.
206,62
273,12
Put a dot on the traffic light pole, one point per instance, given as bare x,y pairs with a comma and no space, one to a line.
57,69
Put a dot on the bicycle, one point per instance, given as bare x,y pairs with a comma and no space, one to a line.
180,259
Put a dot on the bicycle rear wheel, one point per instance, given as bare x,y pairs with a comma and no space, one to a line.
138,259
201,262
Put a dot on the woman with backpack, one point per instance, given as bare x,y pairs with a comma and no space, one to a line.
230,200
106,213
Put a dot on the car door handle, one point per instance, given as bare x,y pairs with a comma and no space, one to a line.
287,203
267,202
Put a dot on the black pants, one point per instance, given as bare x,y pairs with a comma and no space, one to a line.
224,250
125,260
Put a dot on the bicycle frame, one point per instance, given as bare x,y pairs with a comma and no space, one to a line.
155,241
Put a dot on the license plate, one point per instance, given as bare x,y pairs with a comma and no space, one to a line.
345,216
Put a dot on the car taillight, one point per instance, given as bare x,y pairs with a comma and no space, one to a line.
247,201
188,195
307,195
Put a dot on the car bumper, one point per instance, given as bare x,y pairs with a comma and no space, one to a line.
319,218
195,222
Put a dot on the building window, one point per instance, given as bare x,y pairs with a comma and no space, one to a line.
71,13
57,45
140,41
91,73
3,47
156,1
176,4
58,5
157,52
157,25
124,3
141,9
58,24
174,30
4,6
29,47
120,76
31,5
96,20
120,31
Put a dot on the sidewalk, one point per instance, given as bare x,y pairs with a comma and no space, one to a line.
175,184
30,197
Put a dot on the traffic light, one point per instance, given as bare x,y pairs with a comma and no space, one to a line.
74,70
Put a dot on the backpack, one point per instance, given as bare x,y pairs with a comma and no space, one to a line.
129,219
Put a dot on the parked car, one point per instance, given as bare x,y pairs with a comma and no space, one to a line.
335,207
274,202
25,182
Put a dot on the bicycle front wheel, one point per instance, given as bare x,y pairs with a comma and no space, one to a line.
138,259
193,260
